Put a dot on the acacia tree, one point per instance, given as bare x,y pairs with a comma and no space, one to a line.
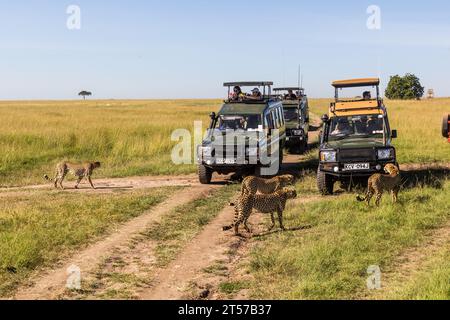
404,88
85,94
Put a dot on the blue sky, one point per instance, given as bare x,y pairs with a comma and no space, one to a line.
187,49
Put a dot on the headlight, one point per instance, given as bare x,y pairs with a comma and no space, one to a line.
252,152
385,154
328,156
297,132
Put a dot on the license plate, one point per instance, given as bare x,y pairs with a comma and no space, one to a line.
226,161
356,166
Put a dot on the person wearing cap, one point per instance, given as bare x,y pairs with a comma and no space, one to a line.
256,95
290,95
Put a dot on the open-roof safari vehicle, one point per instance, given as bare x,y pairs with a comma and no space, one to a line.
245,135
446,127
296,114
356,138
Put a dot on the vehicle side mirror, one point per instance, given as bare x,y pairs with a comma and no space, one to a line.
325,118
394,134
212,115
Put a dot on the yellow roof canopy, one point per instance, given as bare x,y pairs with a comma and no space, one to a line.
355,108
352,83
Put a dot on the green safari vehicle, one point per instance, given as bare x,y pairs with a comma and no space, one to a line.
296,114
246,136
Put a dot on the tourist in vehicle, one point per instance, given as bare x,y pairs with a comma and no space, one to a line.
342,128
361,126
367,95
237,94
374,125
256,95
290,95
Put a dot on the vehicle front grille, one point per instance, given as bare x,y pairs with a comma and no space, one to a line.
356,155
230,151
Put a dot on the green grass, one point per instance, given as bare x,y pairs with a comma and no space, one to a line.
38,229
231,287
179,227
330,260
433,282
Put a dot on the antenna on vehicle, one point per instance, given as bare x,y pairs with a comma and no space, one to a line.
299,75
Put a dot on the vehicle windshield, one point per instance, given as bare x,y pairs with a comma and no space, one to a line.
291,114
357,94
243,122
371,126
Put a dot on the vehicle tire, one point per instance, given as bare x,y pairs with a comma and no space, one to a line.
204,174
325,183
445,126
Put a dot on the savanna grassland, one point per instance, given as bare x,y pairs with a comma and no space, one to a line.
128,137
326,260
134,137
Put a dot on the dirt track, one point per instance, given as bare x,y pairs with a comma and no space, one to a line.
51,283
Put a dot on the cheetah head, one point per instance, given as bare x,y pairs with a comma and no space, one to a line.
391,169
290,193
287,178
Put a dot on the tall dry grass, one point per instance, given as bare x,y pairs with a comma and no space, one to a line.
129,137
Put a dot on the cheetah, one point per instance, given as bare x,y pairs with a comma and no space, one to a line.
251,185
83,170
265,203
378,183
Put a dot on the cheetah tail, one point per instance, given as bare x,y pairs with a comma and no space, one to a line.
232,204
46,177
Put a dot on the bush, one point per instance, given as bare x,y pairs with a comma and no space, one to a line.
404,88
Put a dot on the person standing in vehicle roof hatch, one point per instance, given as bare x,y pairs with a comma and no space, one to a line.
367,95
237,94
290,95
256,95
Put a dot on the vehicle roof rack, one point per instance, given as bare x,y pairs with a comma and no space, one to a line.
248,84
288,88
352,83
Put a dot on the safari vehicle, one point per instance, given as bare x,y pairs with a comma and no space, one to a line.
296,114
446,127
356,138
246,134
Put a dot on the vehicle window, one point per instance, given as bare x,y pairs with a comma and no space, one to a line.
356,127
239,122
290,114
